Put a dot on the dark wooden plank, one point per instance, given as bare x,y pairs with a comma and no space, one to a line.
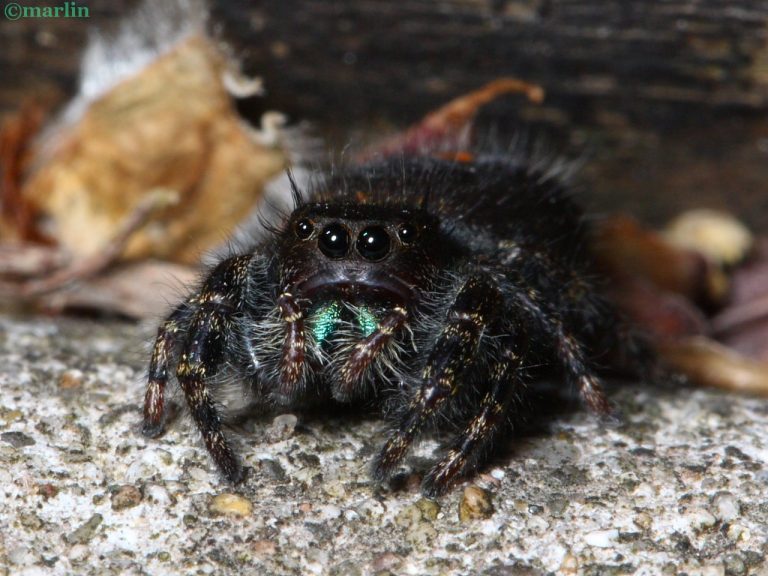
669,97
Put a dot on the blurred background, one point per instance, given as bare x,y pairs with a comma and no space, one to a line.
667,101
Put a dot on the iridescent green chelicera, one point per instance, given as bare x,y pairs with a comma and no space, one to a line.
325,320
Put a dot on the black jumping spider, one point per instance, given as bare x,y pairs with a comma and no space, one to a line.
428,287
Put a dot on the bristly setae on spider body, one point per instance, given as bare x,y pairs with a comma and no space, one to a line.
426,287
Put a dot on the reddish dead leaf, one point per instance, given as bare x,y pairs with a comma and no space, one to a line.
624,249
16,135
446,129
743,324
663,315
750,339
749,281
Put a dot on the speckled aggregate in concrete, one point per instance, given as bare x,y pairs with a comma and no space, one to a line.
681,486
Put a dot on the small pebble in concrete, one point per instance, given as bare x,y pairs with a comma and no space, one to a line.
387,561
126,496
85,532
569,565
734,565
30,520
47,490
700,519
264,547
78,553
158,495
71,380
602,538
419,531
726,506
282,427
737,532
475,504
231,504
643,520
17,439
20,555
429,509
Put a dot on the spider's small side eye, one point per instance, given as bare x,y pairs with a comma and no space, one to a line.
373,243
334,241
304,228
407,233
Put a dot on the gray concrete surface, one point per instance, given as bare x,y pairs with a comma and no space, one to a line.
680,487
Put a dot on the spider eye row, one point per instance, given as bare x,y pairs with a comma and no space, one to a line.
373,243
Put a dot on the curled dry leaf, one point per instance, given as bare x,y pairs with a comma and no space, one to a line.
172,125
16,135
447,128
154,113
669,289
89,266
663,315
21,260
624,249
743,324
710,363
135,290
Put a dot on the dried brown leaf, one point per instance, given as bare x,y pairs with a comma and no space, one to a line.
709,363
137,290
172,126
16,135
624,249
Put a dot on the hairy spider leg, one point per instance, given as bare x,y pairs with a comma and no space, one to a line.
366,351
452,353
568,351
507,383
294,345
203,352
165,343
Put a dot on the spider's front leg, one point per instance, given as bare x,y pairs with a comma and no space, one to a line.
294,346
506,384
209,331
165,344
452,353
365,352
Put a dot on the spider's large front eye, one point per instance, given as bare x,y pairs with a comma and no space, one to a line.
304,228
373,243
334,241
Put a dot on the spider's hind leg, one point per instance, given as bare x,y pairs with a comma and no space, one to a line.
568,350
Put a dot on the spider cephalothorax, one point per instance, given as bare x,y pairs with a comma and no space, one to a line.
426,287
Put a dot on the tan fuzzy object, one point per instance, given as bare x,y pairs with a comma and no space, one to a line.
172,126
